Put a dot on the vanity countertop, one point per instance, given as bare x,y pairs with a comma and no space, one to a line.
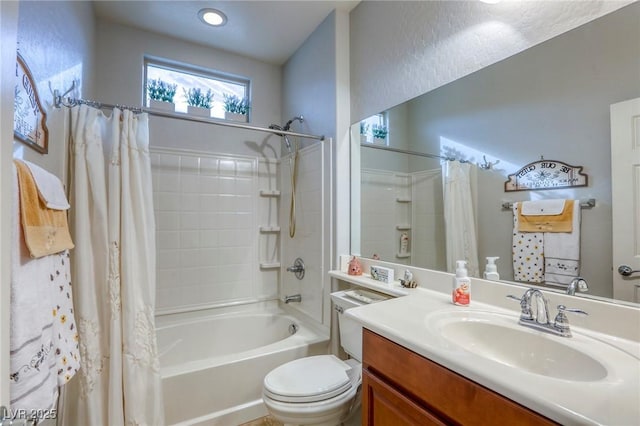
610,400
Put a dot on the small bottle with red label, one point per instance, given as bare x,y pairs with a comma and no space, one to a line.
461,293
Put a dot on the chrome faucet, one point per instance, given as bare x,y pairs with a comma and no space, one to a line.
578,283
541,321
293,298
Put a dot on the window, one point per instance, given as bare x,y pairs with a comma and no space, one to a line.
375,130
186,77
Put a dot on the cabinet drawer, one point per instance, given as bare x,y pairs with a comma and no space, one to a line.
383,405
442,391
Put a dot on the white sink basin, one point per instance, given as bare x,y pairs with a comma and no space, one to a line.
501,339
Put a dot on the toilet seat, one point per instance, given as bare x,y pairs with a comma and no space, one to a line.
310,379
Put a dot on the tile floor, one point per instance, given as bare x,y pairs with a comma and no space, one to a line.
264,421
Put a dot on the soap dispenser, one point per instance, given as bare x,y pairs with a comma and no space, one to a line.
461,293
491,270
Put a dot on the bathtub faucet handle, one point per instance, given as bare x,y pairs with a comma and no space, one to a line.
297,268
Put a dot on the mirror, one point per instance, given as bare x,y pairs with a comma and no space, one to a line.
551,100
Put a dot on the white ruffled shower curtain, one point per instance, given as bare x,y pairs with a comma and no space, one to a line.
460,224
113,271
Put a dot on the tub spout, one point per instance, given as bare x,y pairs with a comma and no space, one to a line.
293,298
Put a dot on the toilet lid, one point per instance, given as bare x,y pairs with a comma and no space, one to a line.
308,379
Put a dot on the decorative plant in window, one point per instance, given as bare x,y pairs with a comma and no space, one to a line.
234,104
236,108
160,90
197,98
379,131
364,130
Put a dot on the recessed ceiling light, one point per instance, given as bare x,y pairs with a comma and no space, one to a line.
212,17
490,1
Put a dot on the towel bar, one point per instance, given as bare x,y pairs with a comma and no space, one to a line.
585,204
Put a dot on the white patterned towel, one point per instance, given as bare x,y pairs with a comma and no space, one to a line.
528,253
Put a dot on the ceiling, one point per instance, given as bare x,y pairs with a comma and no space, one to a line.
270,31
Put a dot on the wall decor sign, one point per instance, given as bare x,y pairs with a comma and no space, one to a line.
29,119
546,174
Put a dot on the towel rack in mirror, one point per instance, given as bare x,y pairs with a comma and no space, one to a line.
585,204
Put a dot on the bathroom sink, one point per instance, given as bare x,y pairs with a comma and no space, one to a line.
500,338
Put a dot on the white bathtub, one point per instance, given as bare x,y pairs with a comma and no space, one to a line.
213,362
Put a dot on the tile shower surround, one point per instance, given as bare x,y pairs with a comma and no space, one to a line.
208,212
308,243
422,212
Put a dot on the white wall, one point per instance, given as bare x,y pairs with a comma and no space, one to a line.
119,78
310,88
309,82
8,33
402,49
56,41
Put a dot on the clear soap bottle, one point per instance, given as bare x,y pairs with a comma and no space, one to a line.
491,269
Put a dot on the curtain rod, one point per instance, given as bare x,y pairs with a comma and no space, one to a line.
485,165
70,102
404,151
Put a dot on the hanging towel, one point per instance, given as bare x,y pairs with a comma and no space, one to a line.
43,348
527,251
562,251
545,216
65,333
45,230
50,189
32,378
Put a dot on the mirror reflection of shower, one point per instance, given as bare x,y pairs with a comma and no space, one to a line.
293,167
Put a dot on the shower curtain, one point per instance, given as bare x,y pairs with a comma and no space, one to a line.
460,225
113,271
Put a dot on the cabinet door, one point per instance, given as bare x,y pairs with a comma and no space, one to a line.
382,405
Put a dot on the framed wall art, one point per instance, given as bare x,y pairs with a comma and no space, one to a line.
546,174
29,119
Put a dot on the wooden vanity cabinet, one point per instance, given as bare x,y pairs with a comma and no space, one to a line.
400,387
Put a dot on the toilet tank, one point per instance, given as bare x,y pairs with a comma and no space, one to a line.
350,330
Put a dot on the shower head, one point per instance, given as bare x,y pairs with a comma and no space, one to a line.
286,128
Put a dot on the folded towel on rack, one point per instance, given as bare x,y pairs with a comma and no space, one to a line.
527,251
562,252
46,231
541,221
543,207
49,187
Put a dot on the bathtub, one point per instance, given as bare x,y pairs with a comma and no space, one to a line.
213,362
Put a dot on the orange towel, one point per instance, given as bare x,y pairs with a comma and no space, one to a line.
547,223
46,231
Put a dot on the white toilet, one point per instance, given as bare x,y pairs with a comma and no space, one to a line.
320,390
